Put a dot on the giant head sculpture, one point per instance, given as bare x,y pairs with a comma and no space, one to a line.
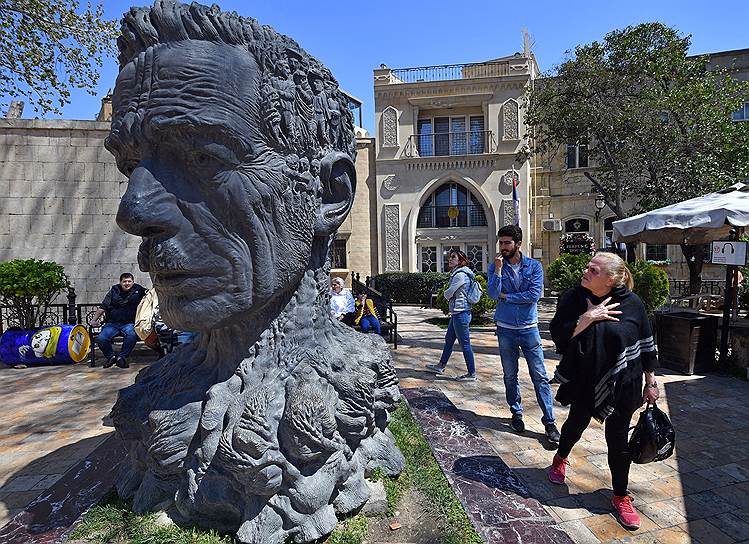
239,150
212,114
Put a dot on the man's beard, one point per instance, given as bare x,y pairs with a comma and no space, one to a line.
509,253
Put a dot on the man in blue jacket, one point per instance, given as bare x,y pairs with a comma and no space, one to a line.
516,283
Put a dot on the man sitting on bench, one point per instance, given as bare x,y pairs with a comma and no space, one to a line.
120,305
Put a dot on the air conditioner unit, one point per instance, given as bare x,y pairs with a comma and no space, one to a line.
552,225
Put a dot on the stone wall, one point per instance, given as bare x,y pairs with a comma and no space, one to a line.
59,192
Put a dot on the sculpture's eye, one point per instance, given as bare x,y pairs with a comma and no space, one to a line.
206,163
202,159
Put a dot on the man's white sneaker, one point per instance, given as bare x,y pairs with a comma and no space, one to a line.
439,369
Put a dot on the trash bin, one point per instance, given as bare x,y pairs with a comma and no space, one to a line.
686,341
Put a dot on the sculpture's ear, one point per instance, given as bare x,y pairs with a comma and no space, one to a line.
338,181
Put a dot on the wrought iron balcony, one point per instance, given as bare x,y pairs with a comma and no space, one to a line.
447,72
450,143
439,217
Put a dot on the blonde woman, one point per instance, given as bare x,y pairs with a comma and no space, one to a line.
603,332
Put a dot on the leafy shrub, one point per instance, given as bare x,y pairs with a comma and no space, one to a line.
28,287
567,271
409,287
651,284
486,303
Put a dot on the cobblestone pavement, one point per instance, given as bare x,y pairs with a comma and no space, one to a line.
50,419
700,494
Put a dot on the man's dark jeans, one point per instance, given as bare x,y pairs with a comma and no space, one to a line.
109,331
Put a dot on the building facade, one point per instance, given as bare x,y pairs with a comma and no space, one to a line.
449,145
446,150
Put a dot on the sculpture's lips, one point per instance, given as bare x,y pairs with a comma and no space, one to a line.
183,279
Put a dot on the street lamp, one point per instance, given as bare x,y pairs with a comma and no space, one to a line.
600,204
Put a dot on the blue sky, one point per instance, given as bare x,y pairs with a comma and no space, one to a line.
353,38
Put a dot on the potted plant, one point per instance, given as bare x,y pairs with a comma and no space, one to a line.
27,288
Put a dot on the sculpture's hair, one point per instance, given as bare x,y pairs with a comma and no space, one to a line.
168,21
616,268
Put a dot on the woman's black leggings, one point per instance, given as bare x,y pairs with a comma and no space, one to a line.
616,430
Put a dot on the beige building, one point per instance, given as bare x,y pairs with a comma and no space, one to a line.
447,141
447,138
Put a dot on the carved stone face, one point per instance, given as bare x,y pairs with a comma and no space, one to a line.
223,233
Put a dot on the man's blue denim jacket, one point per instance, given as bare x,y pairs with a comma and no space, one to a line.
520,308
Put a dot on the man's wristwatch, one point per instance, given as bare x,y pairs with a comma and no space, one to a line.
654,385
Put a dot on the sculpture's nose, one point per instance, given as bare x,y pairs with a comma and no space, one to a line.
147,209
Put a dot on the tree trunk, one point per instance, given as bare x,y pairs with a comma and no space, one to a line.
695,256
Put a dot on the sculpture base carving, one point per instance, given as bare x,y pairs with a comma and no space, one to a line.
270,446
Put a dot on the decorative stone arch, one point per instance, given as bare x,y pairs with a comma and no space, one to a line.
450,176
390,127
510,120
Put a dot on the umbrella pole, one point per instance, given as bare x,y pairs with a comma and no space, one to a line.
729,295
727,305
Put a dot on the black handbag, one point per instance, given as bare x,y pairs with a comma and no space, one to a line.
653,438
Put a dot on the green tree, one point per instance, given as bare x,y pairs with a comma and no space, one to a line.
48,47
657,122
28,287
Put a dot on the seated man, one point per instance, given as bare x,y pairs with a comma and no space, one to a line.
119,305
342,304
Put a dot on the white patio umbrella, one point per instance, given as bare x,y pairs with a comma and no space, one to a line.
695,221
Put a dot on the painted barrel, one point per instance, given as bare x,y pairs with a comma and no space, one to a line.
47,345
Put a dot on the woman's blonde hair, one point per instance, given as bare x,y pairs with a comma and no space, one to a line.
617,269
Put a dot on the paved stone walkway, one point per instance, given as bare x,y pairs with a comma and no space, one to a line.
50,419
701,494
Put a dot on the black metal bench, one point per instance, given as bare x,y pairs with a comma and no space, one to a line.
89,310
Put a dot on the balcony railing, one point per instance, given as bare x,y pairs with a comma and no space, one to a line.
450,143
447,72
439,216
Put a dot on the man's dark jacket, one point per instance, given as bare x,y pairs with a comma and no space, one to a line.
120,305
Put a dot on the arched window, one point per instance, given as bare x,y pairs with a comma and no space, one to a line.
451,205
577,224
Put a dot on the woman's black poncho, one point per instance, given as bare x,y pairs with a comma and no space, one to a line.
602,366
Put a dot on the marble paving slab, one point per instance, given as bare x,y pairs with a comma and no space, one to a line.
497,502
52,515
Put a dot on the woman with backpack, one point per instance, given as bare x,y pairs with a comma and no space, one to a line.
461,279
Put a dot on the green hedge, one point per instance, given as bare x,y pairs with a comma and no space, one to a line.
409,287
485,304
567,270
651,282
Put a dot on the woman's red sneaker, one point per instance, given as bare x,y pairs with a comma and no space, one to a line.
558,470
625,512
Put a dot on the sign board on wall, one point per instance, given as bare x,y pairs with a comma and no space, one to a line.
729,252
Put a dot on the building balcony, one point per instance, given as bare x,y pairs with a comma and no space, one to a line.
449,72
435,217
450,143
